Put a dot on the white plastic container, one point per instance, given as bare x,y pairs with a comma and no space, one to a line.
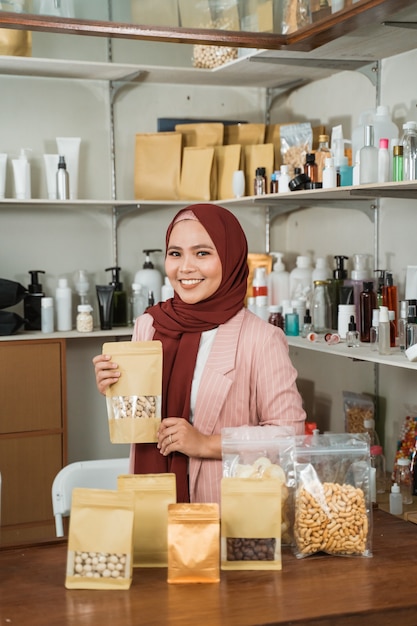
395,500
329,174
149,277
167,291
47,315
21,176
278,281
284,180
301,279
63,301
343,318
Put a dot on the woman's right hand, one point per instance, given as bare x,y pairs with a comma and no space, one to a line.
106,372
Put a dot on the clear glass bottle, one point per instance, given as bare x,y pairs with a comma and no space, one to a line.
397,164
138,301
368,161
369,427
384,334
403,479
322,306
367,305
352,335
402,324
373,331
307,325
310,167
323,152
259,186
84,321
409,143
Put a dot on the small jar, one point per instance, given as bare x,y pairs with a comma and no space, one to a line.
84,318
275,316
404,480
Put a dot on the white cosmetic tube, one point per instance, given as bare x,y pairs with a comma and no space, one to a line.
69,147
3,168
21,176
51,166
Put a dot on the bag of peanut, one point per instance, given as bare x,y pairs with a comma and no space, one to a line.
332,506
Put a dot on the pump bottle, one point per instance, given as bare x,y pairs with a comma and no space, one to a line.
278,281
300,279
119,298
390,297
149,277
335,288
32,303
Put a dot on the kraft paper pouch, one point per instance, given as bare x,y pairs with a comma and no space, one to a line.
149,12
227,159
15,42
152,495
257,260
258,156
201,135
272,135
134,401
157,166
198,174
193,543
245,134
251,524
100,540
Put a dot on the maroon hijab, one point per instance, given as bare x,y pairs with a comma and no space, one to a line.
179,326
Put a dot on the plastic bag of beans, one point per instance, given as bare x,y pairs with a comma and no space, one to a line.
332,503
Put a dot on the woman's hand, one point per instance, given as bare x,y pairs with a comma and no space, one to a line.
106,372
177,435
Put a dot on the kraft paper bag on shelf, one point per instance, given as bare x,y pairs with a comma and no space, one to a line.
15,42
152,495
227,159
251,524
100,539
245,134
149,12
134,401
272,135
198,174
201,135
261,155
157,166
193,543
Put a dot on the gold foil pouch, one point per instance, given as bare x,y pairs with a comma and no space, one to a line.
157,166
251,524
198,174
100,540
193,543
134,401
152,495
201,135
227,159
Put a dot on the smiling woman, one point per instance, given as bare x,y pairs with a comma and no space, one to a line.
222,365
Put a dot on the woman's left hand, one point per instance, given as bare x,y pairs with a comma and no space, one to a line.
177,435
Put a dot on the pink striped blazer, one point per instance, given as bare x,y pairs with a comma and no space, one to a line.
248,380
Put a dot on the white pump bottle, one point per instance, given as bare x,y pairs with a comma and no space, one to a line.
278,281
150,278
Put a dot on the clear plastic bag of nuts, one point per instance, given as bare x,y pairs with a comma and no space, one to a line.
209,57
332,504
262,452
357,408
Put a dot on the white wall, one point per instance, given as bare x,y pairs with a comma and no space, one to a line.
34,111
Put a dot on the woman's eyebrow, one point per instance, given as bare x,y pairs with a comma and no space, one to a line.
197,246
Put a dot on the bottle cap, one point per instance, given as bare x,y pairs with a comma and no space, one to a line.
340,272
307,317
398,150
273,308
329,162
383,314
84,308
310,157
395,488
403,462
383,144
352,323
62,283
47,302
369,423
303,261
323,138
376,450
35,286
410,126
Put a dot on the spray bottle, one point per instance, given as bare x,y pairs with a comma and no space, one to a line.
278,281
119,298
149,277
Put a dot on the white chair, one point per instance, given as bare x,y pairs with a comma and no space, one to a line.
100,474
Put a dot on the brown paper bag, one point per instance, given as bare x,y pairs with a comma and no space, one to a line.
245,134
201,135
157,166
198,174
251,523
152,495
261,155
134,401
100,540
227,159
193,543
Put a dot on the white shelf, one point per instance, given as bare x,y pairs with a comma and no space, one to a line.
363,353
28,335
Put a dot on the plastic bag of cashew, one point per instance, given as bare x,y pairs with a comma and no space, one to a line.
332,505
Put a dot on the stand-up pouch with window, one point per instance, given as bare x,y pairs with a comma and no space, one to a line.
198,174
251,524
134,401
157,166
100,540
152,495
193,543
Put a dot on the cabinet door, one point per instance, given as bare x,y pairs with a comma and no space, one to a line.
32,436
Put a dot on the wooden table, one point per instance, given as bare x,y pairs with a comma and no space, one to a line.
321,590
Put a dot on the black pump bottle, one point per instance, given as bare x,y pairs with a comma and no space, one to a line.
119,298
32,303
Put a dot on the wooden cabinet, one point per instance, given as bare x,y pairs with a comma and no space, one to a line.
32,436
